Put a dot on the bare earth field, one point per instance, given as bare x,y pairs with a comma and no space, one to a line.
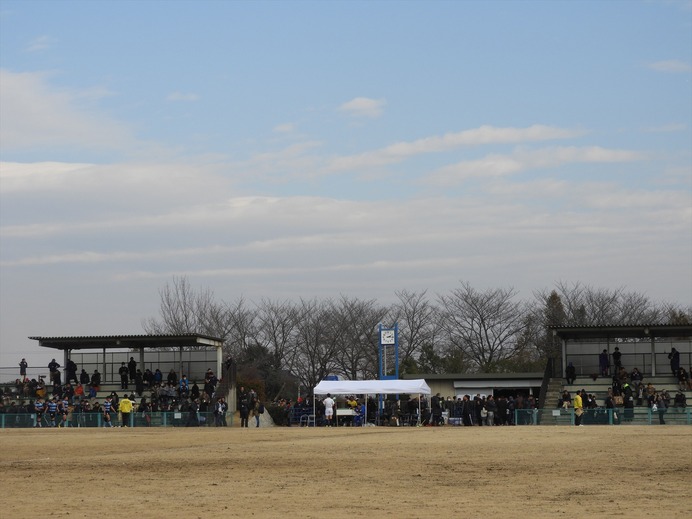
273,472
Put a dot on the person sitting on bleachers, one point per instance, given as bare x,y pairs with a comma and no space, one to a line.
680,401
636,379
148,379
78,393
570,373
650,390
683,379
565,400
184,387
96,379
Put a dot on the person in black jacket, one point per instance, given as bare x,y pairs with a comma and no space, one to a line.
628,402
674,357
132,369
124,373
617,358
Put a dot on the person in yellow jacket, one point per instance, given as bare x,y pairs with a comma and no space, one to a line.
125,409
578,408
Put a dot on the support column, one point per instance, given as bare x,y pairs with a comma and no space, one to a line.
653,357
219,362
564,357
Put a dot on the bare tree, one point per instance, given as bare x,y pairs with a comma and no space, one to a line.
588,306
418,324
183,310
486,326
357,352
276,328
242,330
317,339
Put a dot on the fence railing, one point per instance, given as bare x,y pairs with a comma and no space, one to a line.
603,416
135,419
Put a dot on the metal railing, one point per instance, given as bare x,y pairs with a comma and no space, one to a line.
135,419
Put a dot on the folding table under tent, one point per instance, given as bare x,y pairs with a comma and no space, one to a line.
371,387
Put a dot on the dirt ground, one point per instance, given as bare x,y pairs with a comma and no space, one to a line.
444,472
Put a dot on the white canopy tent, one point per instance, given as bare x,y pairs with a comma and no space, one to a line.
371,387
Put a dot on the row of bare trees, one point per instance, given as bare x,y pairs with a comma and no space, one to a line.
466,330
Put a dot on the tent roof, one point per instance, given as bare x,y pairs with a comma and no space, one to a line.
372,387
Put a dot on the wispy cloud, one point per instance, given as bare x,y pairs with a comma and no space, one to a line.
364,107
498,165
40,43
34,116
483,135
671,65
667,128
182,96
284,128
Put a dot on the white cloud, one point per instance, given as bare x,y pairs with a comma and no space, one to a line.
182,96
40,43
36,117
284,128
667,128
364,107
671,65
483,135
498,165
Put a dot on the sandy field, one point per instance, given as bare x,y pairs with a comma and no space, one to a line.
599,471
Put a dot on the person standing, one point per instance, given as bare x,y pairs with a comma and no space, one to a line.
39,408
107,409
71,371
124,373
661,407
125,408
578,408
329,405
139,382
54,367
243,406
628,402
617,359
220,412
22,369
52,409
603,363
674,357
132,368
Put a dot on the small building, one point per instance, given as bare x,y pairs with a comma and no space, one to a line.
496,384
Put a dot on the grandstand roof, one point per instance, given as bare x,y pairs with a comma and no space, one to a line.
133,342
624,331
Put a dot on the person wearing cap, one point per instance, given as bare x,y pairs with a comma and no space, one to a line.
22,369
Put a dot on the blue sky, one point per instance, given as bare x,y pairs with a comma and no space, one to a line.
310,149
